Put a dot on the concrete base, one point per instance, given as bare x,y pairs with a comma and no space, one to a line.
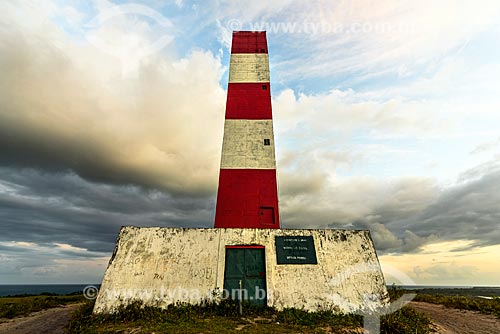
162,266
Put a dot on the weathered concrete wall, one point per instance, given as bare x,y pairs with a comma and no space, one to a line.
166,265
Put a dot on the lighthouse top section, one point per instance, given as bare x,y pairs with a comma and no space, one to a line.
249,42
249,93
247,196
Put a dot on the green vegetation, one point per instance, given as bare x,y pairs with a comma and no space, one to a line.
223,318
486,306
11,307
458,298
471,291
405,320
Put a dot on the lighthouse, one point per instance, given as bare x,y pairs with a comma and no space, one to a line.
247,196
247,252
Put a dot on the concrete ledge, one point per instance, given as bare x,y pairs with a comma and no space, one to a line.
162,266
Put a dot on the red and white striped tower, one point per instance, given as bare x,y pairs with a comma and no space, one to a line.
248,195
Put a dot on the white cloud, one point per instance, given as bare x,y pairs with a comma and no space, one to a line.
486,147
419,34
68,247
23,244
366,201
342,112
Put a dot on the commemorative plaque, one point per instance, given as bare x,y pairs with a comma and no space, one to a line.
295,250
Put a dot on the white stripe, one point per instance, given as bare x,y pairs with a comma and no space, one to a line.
243,144
249,67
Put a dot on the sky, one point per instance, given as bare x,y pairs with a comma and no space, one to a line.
386,117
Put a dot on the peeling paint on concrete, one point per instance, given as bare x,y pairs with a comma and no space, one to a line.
249,67
243,144
162,266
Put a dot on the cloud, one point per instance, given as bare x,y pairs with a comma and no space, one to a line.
354,42
355,201
403,213
466,211
415,35
51,209
58,227
339,114
29,263
486,147
87,215
91,141
64,106
443,263
448,274
383,238
48,208
333,133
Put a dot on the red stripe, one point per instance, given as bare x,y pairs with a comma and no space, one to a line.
249,42
248,101
245,246
247,198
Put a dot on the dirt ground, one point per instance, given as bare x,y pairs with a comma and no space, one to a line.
453,321
50,321
448,321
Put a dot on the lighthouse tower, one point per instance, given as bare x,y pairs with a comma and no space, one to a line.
247,196
247,255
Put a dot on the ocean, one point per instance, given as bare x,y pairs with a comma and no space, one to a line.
473,291
62,289
36,289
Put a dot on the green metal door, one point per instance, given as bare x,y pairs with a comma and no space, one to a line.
247,265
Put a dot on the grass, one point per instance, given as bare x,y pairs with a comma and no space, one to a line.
223,318
485,306
11,307
458,298
406,319
211,318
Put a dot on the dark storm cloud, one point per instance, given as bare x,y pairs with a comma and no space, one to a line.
32,263
403,213
59,227
467,211
46,208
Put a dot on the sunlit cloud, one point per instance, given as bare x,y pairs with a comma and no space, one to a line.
447,266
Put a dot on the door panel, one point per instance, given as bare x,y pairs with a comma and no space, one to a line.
237,259
234,272
249,266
